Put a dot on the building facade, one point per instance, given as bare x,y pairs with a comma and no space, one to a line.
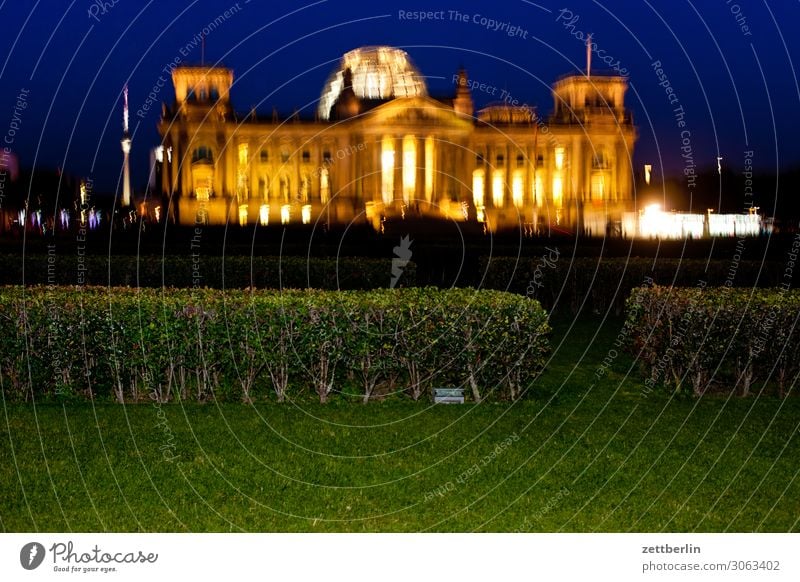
379,147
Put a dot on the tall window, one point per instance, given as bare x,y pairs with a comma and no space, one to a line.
429,168
324,186
409,167
203,154
558,191
600,160
498,188
598,187
518,188
559,158
479,188
387,169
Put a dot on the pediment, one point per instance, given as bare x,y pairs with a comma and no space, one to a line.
415,111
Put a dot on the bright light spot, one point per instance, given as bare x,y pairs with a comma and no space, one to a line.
286,211
478,188
558,191
324,186
305,214
263,215
648,169
409,168
498,188
517,193
559,158
429,169
387,170
538,187
598,187
243,215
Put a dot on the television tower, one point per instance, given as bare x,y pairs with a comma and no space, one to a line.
126,150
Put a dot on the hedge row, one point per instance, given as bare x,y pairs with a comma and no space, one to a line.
702,338
230,272
560,282
134,344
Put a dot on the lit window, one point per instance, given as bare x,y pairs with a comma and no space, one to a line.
305,214
600,160
244,154
598,186
558,191
537,190
478,188
409,167
243,215
304,182
387,170
263,215
429,168
202,153
559,158
324,185
498,188
517,188
284,185
286,211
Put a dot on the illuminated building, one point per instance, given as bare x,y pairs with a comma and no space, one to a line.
379,146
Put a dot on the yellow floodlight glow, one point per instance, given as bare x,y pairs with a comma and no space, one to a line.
478,188
498,185
387,170
517,189
409,168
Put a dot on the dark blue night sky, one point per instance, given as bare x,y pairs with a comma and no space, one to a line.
730,65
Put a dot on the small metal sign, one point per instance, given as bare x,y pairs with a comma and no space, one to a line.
448,395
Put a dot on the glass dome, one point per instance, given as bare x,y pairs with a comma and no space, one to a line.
379,72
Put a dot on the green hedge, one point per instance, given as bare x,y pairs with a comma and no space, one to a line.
230,272
137,344
560,282
700,338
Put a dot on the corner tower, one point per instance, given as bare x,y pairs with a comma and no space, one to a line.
203,91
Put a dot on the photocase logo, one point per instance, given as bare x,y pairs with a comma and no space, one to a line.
402,254
32,555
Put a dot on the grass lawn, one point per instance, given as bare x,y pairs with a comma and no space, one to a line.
578,454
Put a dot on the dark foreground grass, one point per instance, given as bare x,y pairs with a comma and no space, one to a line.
579,454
